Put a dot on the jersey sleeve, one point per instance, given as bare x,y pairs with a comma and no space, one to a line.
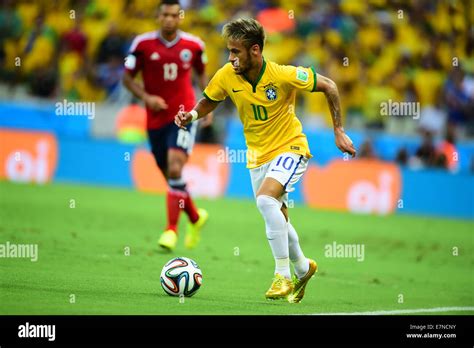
300,77
215,90
134,59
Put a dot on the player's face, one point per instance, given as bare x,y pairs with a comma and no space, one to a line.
241,58
169,18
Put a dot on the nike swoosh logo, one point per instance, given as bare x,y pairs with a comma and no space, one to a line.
237,90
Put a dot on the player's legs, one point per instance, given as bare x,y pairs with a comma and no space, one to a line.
175,196
159,148
297,258
269,205
176,161
280,175
180,142
304,268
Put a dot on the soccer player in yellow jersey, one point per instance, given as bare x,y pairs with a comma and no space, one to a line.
278,153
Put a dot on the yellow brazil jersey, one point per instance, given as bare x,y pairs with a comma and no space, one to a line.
266,108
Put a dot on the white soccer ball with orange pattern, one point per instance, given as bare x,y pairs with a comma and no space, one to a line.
181,276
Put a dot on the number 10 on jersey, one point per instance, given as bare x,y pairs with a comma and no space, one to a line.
259,112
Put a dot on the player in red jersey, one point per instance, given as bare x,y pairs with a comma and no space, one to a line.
166,58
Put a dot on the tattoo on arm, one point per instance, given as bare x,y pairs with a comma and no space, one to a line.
332,96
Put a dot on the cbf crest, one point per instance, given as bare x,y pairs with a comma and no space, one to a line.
271,91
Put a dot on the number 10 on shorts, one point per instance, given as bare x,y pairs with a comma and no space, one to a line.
285,161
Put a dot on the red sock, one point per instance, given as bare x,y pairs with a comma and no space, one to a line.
190,208
174,202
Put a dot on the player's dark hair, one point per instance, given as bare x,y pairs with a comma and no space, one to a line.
248,30
170,2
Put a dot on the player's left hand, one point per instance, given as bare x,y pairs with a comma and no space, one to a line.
206,121
344,143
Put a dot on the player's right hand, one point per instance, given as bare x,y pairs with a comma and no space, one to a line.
155,103
344,143
182,119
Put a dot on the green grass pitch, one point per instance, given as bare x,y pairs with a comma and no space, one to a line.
82,253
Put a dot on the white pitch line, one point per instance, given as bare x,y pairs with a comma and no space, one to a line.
405,311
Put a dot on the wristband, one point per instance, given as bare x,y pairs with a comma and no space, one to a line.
195,115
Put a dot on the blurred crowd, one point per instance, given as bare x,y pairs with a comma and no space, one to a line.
376,50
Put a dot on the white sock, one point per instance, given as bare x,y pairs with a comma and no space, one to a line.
277,233
282,266
300,262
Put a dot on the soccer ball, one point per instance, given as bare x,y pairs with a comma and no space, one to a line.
181,276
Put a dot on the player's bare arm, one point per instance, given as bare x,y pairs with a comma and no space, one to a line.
202,83
154,102
202,108
329,88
